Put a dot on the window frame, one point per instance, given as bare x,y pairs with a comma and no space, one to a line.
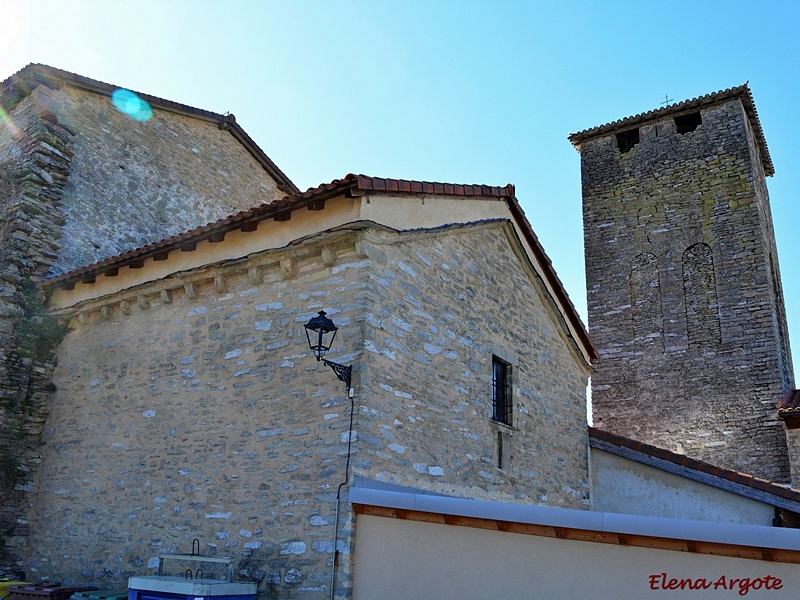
502,391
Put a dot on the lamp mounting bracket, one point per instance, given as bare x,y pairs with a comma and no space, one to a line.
343,372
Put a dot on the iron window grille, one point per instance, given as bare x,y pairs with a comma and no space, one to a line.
501,391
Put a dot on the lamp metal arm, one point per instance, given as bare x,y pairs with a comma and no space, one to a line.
343,372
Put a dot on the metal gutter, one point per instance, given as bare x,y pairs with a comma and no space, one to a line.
756,536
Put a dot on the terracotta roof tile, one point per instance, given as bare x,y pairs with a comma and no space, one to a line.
790,402
742,92
789,409
701,466
349,185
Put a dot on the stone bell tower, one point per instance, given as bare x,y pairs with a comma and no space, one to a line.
684,291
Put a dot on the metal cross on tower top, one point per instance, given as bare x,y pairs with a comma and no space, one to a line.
667,100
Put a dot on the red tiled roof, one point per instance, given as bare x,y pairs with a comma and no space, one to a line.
700,466
790,402
789,409
742,92
314,198
245,220
22,83
352,185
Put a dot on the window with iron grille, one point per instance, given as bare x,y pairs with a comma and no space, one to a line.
501,391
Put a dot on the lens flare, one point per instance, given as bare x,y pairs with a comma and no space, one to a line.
129,103
8,122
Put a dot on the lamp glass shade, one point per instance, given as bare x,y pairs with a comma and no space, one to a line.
320,332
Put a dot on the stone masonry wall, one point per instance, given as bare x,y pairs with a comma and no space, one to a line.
192,408
439,306
83,182
133,183
35,153
780,324
682,304
793,442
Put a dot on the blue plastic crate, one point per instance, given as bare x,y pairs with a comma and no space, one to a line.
179,588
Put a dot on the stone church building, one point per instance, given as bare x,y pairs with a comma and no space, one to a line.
157,386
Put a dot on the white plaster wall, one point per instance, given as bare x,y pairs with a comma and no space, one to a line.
398,559
625,486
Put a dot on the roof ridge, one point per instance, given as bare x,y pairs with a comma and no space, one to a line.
21,84
387,184
655,112
31,70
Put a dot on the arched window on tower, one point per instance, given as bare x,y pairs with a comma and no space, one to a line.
700,297
645,294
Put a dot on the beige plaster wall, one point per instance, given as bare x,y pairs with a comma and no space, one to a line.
620,485
398,559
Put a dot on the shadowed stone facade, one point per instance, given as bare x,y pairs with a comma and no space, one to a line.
80,182
683,286
35,157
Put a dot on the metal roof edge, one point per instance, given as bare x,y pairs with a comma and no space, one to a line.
757,536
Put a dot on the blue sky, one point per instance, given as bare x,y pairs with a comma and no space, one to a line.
456,91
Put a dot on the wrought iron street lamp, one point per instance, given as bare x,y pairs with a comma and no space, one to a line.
321,332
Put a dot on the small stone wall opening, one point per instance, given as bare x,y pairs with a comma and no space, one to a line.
688,123
503,450
627,139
